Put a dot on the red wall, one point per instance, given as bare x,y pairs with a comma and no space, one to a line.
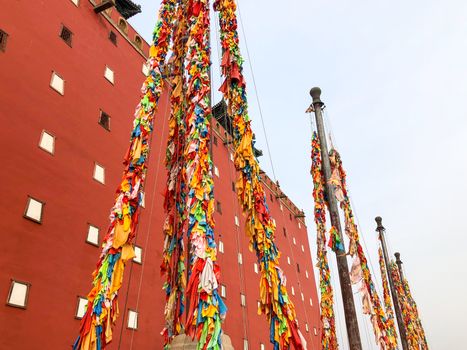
53,256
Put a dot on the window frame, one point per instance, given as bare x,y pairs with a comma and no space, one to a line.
26,210
10,291
140,262
61,93
128,320
3,44
70,42
87,235
79,298
94,173
40,140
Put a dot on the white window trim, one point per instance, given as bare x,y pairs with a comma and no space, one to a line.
303,249
315,330
216,171
109,75
10,299
256,268
90,241
81,307
306,327
103,173
240,258
242,299
293,290
75,2
223,291
143,200
237,222
245,344
288,260
138,258
299,225
61,90
44,147
306,273
134,324
311,302
221,247
26,210
303,297
294,241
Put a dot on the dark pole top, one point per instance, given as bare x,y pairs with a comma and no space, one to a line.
379,223
398,258
316,94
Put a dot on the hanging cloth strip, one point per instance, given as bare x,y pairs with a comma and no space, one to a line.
370,299
328,322
274,300
173,257
387,296
117,248
206,308
413,328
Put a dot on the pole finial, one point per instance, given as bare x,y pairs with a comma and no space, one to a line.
379,223
398,258
316,94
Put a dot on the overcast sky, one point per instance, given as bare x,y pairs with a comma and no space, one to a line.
393,75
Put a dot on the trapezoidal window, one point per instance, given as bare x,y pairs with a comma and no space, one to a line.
113,37
104,120
81,307
34,209
66,35
18,294
3,39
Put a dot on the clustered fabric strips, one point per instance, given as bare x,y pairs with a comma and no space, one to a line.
173,259
117,248
413,327
370,299
328,322
387,296
274,300
206,308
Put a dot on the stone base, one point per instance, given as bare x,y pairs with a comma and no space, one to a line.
183,342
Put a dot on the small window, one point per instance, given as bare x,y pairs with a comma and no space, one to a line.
293,290
104,120
236,221
76,2
299,225
245,344
261,346
315,330
109,74
294,241
57,83
311,302
219,207
221,247
303,248
99,173
132,319
3,39
233,186
18,294
216,171
113,37
242,299
142,199
290,217
288,260
306,327
123,25
214,140
223,291
240,258
145,68
81,308
255,267
306,273
231,157
138,255
47,142
138,42
303,297
34,210
93,235
298,267
66,35
271,197
285,232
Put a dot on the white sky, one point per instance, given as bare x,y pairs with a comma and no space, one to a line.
393,75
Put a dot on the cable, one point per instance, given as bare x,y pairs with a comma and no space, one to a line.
256,90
